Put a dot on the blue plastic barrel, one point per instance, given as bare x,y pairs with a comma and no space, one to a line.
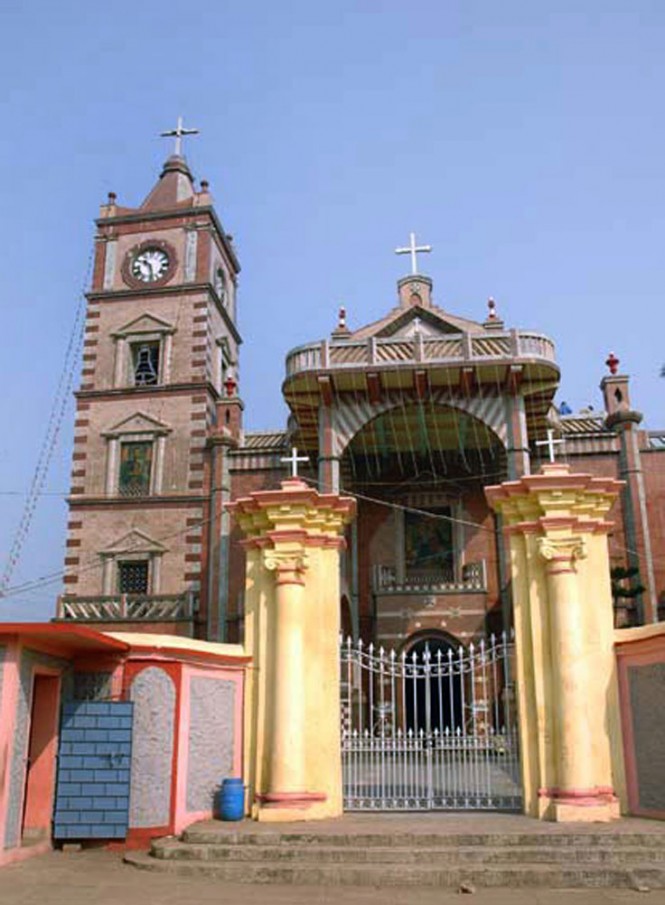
232,800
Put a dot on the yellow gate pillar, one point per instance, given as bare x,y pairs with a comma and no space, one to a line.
572,767
292,703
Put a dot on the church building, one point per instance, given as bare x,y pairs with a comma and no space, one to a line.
412,415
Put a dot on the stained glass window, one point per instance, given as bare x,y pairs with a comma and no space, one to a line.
133,577
135,468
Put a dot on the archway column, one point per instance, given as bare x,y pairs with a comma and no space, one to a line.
556,521
293,538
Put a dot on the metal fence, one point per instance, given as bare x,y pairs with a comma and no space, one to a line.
434,728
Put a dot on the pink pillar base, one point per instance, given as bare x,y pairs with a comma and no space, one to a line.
597,805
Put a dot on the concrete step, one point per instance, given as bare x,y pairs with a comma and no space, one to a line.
382,875
173,849
221,836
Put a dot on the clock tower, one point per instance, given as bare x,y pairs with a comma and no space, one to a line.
156,416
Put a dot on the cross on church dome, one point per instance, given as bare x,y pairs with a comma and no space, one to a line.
413,250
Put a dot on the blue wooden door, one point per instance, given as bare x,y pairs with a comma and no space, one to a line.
92,793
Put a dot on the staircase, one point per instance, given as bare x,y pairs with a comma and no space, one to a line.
589,857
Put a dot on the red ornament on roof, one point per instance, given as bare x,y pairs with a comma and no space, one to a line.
612,363
230,386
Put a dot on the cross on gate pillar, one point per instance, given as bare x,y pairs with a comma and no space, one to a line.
572,763
292,624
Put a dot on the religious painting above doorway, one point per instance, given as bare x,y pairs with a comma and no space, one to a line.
428,543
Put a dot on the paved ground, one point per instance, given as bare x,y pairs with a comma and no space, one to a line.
100,878
96,877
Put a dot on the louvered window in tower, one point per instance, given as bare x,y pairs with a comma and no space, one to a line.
133,577
135,468
145,363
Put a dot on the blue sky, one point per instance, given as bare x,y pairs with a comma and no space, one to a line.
524,141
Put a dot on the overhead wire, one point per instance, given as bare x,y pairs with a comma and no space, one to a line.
51,434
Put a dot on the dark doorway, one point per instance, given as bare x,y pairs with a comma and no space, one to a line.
434,691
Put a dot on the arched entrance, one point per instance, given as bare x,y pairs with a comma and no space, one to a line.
430,727
433,693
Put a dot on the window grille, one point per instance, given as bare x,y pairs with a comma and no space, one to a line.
133,577
92,686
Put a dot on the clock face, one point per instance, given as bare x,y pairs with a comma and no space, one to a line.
150,264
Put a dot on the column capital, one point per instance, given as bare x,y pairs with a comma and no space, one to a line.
289,565
560,553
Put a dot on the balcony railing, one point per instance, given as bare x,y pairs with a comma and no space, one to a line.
456,347
126,608
473,577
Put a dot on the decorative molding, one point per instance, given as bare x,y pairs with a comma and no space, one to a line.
109,263
190,255
284,561
137,423
564,549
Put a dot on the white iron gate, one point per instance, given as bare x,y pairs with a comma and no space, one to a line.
431,729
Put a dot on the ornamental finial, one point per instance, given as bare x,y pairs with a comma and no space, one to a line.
612,363
491,305
230,385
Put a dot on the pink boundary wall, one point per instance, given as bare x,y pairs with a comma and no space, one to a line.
87,650
182,816
640,646
8,708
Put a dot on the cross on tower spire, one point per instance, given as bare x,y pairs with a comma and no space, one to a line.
413,250
178,133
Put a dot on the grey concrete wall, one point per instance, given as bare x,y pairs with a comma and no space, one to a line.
212,735
29,660
647,702
153,694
